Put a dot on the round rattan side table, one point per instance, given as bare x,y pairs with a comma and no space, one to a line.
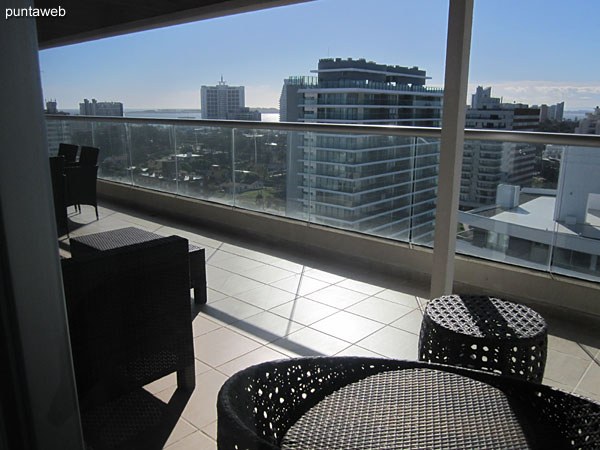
484,333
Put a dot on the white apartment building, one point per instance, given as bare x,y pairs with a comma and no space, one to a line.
381,185
488,164
221,101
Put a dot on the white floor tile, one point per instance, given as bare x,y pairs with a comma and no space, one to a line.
304,311
221,346
309,342
257,356
392,343
266,297
347,326
381,310
300,285
337,297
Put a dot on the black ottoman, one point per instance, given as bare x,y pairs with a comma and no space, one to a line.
485,333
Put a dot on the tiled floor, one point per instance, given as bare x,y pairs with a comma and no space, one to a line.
265,304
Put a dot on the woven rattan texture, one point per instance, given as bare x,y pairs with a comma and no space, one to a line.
86,245
258,405
484,333
380,412
109,240
118,424
129,317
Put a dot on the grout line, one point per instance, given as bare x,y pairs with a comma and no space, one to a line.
296,296
194,427
213,254
593,358
584,374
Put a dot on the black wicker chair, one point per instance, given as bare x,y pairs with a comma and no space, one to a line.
258,405
88,156
68,151
81,186
129,319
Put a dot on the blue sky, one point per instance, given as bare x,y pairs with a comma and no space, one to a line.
531,51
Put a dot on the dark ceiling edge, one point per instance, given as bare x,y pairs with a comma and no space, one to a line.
221,9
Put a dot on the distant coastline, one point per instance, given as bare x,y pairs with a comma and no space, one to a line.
268,114
192,110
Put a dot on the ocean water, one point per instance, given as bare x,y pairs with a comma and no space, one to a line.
158,114
266,117
575,115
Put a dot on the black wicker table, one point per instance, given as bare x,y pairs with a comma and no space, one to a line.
109,240
485,333
342,403
413,408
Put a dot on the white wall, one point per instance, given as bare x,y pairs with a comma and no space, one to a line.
579,177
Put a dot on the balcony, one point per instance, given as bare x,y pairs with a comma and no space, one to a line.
251,241
286,265
269,302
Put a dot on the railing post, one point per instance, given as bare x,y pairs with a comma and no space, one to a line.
460,19
174,140
233,166
93,129
129,152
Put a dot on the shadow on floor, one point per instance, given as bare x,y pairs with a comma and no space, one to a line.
134,421
254,330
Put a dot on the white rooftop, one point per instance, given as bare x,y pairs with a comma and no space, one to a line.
537,213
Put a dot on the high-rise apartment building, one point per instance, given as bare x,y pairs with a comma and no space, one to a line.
488,164
221,102
382,185
552,112
96,108
591,123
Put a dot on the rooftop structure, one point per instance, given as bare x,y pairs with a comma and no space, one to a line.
559,227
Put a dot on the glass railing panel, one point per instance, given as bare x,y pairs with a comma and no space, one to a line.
261,175
502,216
204,162
368,183
114,162
537,209
377,198
576,213
301,183
57,131
69,132
153,162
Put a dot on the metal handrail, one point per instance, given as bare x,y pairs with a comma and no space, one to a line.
523,137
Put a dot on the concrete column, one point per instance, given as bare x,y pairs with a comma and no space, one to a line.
43,412
460,18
